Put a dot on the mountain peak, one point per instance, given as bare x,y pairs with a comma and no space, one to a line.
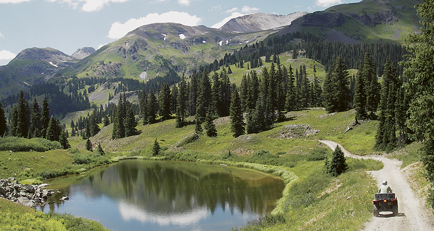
83,52
260,21
43,54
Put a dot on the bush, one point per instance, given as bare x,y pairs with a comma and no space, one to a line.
17,144
317,154
80,158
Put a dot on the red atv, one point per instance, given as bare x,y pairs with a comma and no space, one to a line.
385,202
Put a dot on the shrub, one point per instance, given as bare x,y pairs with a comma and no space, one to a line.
317,154
80,158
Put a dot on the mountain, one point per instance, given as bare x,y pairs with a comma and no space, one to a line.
83,52
367,21
31,66
260,21
161,49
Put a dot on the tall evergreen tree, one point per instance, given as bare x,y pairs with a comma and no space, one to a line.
237,120
164,101
93,126
372,87
181,106
338,163
420,73
156,148
209,126
89,145
63,140
151,108
204,98
3,122
336,92
130,123
290,92
45,117
21,117
35,121
359,102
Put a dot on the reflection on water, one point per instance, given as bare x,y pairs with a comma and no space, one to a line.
166,195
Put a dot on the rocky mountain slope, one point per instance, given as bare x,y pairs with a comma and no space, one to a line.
260,21
83,52
367,21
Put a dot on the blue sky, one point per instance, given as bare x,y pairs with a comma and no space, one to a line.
67,25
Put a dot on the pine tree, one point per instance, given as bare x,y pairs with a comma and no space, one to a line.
143,106
118,123
93,126
151,108
130,123
21,118
156,148
372,87
35,120
336,92
164,101
45,117
209,126
359,102
63,139
53,130
198,128
3,122
99,150
237,120
338,163
290,93
106,121
89,145
204,98
181,106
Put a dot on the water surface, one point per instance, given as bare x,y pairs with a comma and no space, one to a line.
162,195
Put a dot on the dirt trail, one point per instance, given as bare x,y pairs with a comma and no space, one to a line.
412,214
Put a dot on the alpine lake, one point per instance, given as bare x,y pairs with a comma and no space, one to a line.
166,195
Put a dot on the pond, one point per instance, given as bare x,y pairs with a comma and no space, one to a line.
165,195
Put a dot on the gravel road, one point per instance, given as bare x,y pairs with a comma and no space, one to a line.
412,214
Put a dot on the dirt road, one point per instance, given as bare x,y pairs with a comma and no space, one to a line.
412,214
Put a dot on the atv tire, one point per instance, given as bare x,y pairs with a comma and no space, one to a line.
395,209
375,211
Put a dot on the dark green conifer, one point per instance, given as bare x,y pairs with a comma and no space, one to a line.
156,148
3,122
89,145
209,126
237,120
99,150
338,163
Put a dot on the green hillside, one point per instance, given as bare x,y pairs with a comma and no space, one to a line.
367,21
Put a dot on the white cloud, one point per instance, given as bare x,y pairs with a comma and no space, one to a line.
327,3
118,29
87,5
184,2
13,1
235,12
1,36
6,55
249,10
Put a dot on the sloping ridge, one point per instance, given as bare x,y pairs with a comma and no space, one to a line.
412,214
260,21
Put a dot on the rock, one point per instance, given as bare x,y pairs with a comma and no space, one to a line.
26,202
28,195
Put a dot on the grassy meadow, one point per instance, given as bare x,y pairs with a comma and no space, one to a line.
311,199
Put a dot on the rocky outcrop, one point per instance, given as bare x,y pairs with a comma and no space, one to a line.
27,195
83,52
260,21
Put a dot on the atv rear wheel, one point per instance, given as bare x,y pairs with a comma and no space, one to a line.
375,211
395,209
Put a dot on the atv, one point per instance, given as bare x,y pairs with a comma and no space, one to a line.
385,202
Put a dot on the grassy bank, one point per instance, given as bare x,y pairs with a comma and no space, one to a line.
311,199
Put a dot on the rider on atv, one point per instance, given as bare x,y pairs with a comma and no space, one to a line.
384,188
